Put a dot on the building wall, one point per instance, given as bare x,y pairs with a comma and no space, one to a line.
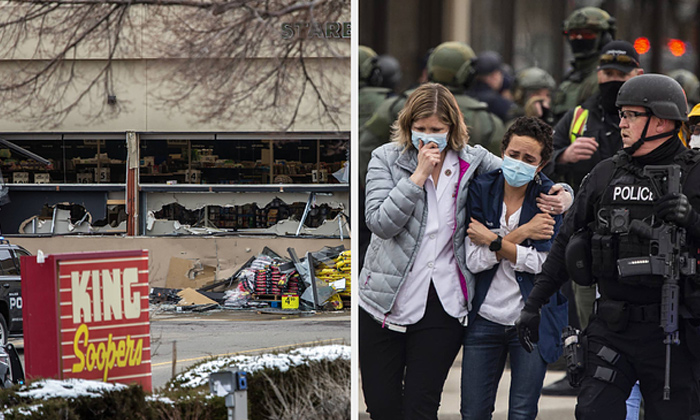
143,74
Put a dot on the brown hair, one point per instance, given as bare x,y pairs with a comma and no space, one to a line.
427,100
531,127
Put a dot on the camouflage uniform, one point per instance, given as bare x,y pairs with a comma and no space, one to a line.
378,77
528,81
582,82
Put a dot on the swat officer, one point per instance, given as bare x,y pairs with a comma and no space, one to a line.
379,76
624,340
589,133
690,84
533,95
588,30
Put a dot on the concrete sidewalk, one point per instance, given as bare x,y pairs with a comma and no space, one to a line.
550,408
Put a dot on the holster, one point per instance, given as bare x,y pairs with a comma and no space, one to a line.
614,313
603,255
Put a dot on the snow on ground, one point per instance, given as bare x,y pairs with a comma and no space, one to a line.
67,388
199,375
72,388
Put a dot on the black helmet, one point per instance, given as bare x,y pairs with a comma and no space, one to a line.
381,71
661,94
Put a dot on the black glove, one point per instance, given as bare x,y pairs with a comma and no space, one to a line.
675,208
528,325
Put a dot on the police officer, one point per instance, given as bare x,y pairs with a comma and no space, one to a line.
587,29
379,76
624,340
589,133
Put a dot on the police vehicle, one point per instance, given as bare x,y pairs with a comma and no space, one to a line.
10,290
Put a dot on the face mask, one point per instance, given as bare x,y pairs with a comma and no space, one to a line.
695,141
438,138
583,47
517,173
608,95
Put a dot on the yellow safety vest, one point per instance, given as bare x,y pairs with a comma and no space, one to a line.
578,123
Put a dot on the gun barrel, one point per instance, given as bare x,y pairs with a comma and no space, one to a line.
667,373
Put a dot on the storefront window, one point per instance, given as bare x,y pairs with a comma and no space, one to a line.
242,161
81,161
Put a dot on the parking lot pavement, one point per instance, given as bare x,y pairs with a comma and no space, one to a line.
550,408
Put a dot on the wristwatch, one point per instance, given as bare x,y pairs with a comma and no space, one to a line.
495,246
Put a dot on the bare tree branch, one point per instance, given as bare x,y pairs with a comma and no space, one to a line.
217,61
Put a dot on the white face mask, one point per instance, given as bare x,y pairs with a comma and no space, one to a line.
694,141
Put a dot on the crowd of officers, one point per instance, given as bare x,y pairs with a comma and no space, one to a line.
615,130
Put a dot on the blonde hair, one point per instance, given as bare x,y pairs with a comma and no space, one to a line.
427,100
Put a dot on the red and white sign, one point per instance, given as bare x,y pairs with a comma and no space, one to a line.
101,316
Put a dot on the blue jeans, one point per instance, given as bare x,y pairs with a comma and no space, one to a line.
486,345
634,401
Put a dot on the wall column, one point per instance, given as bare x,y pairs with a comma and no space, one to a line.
132,183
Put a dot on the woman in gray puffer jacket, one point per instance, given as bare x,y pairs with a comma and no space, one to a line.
414,288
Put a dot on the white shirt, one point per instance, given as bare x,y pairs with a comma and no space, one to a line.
503,301
435,258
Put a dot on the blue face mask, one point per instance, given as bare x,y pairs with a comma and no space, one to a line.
438,138
517,173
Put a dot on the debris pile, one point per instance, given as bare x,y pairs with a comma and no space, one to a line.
320,280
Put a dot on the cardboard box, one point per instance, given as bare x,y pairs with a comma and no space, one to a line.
194,176
184,273
102,175
42,178
85,178
20,177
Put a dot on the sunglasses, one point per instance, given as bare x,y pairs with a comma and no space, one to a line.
695,129
632,116
625,60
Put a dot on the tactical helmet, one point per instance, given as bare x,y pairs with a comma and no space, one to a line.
661,94
364,53
594,19
446,60
381,71
690,84
534,78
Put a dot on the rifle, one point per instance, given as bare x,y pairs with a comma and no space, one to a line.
665,258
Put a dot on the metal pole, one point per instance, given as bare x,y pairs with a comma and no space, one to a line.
306,212
174,359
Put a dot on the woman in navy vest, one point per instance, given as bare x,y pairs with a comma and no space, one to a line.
508,240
